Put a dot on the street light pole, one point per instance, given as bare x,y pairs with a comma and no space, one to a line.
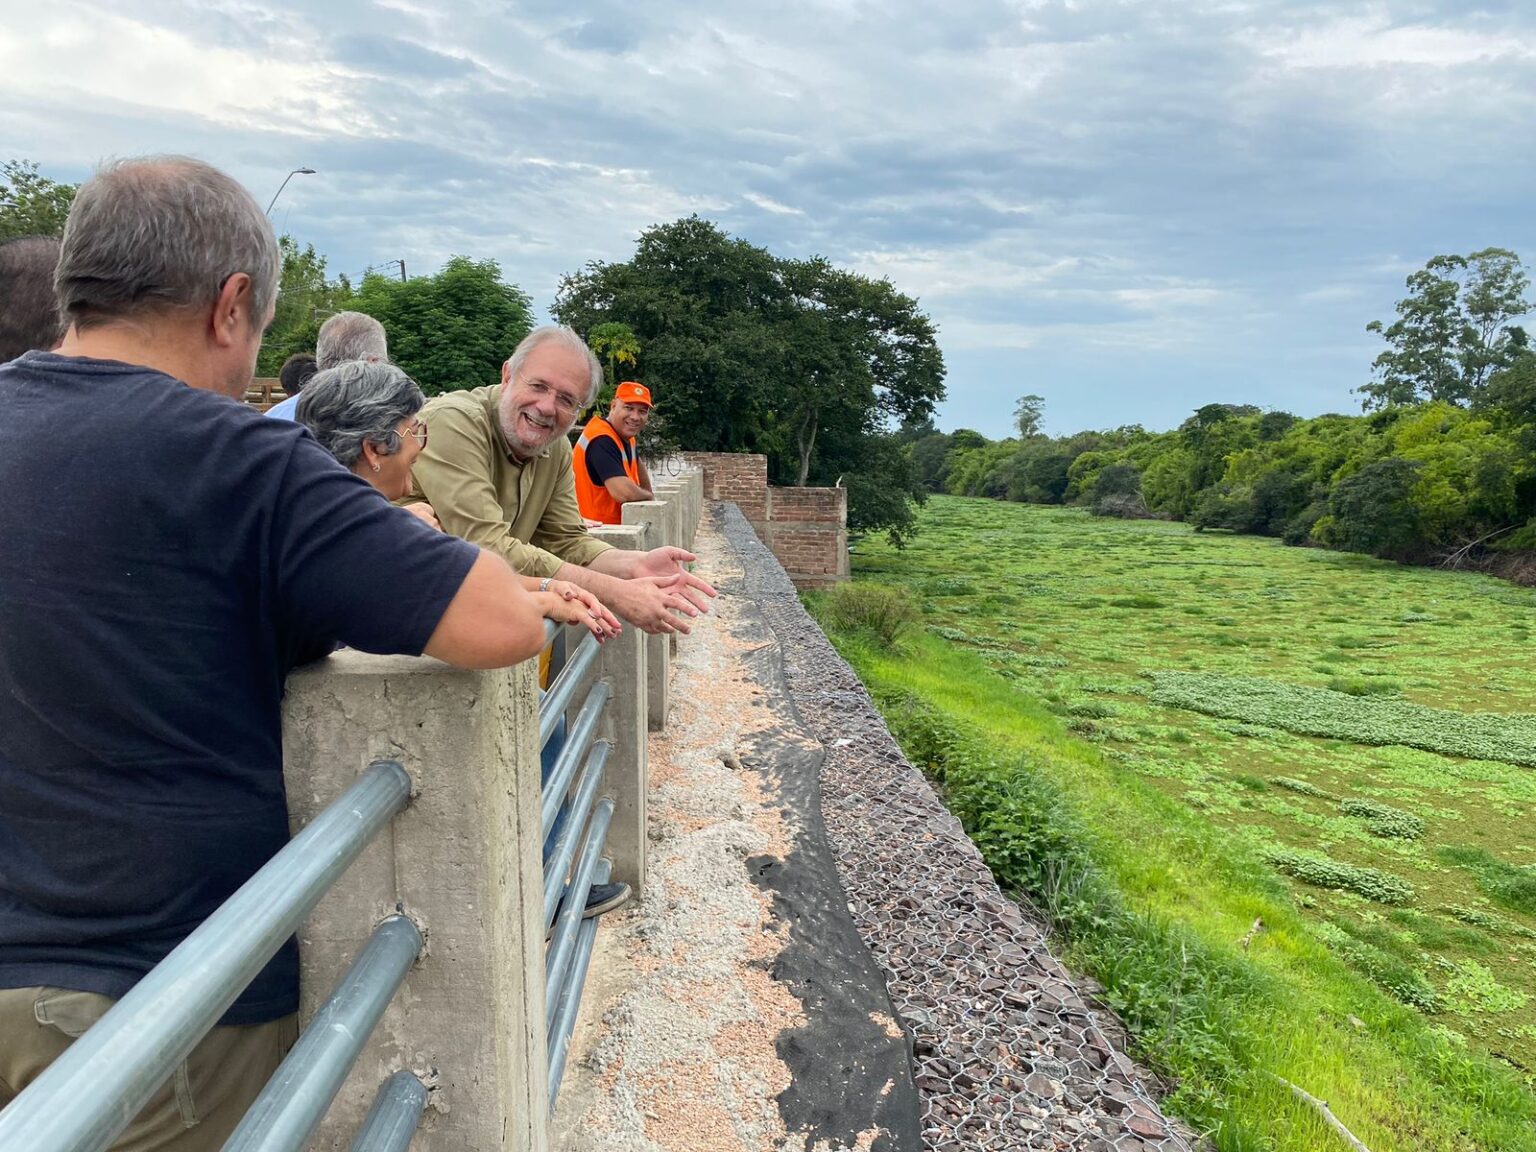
284,184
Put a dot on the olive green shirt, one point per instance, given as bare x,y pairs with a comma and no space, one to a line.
524,511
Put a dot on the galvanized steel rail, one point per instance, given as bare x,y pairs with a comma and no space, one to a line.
586,821
95,1089
392,1120
295,1100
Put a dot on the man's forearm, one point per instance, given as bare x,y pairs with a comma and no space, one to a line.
625,490
597,579
618,563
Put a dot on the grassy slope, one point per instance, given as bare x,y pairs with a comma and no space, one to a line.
1175,809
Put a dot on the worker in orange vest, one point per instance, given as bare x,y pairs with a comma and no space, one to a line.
609,472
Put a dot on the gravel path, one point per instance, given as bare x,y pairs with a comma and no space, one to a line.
1007,1053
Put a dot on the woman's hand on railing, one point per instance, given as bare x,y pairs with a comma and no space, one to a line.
566,603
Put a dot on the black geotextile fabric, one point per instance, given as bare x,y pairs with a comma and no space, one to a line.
1006,1053
850,1064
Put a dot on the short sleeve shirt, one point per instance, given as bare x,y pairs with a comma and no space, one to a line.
168,556
604,461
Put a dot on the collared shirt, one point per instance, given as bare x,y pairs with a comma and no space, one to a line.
525,511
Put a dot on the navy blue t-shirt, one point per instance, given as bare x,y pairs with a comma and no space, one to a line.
166,557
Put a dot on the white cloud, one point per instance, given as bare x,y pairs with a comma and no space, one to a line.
768,204
82,55
1374,41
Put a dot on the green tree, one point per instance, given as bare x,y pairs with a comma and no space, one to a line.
802,361
614,344
859,354
930,458
305,297
453,330
1373,511
1453,330
1027,415
30,203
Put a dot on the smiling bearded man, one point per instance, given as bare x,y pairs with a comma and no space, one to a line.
497,469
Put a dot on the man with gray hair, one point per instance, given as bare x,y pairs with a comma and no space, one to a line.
345,336
497,471
168,557
29,311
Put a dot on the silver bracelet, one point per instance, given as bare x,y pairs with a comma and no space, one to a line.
545,583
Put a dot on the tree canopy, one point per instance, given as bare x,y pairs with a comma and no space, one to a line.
453,330
305,297
1454,330
30,203
812,365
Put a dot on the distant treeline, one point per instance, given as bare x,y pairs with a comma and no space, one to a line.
1441,467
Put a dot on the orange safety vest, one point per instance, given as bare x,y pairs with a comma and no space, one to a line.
593,499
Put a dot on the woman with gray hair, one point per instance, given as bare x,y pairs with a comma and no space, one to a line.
366,413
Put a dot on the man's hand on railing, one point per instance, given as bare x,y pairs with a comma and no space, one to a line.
668,561
656,603
566,603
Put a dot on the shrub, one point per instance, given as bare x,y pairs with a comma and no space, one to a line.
1325,872
1386,822
875,610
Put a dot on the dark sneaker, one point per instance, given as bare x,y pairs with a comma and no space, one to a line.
605,898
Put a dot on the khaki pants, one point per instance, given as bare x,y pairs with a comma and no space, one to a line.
195,1111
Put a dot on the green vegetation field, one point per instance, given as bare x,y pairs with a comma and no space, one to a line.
1162,736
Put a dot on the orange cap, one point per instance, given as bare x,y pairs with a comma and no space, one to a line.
632,393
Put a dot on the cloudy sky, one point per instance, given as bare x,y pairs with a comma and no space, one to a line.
1131,208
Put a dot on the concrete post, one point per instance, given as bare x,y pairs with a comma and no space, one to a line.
622,661
463,860
668,492
693,504
653,518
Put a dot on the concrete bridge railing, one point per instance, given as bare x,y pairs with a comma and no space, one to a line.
463,861
420,820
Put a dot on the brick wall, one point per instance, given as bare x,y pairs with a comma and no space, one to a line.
806,528
740,477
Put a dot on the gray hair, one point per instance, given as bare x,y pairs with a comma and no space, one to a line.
557,334
29,311
161,232
355,403
350,336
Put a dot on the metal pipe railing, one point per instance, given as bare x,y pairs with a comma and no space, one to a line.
577,742
562,945
558,698
564,850
559,1038
96,1087
392,1120
297,1096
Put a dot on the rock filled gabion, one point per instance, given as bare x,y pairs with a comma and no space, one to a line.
1006,1053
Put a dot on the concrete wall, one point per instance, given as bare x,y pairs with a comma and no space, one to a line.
463,860
805,528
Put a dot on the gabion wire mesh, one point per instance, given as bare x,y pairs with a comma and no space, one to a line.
1006,1053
